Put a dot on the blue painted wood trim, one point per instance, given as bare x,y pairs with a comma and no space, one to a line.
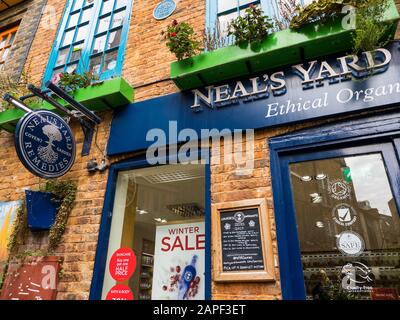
106,219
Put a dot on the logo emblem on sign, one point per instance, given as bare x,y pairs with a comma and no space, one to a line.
350,243
45,144
356,276
239,217
344,215
339,189
164,9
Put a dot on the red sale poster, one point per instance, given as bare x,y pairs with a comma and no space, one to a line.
122,264
179,262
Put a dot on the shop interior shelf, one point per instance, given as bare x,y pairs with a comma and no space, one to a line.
279,49
106,95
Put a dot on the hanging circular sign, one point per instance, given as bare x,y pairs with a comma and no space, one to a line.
350,243
164,9
45,144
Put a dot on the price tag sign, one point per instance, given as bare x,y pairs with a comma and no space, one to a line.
122,264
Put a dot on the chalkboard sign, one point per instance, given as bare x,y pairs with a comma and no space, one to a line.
241,241
242,244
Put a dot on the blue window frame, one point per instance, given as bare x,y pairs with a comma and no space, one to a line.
92,37
106,219
379,134
220,12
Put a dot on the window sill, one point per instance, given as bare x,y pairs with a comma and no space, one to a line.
107,95
277,50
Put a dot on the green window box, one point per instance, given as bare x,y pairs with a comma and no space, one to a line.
107,95
279,49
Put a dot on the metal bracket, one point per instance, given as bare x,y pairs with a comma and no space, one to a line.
87,119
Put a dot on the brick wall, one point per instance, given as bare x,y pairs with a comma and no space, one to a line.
28,15
147,68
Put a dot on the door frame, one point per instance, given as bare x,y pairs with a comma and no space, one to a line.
358,132
106,218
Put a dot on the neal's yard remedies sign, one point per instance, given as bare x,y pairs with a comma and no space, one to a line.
178,272
241,240
325,87
45,144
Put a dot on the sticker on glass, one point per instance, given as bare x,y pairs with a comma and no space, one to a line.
344,215
350,243
339,189
357,277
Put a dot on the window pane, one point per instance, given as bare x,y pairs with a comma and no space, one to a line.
103,24
87,14
114,39
120,4
57,71
83,33
118,19
99,44
110,61
78,4
243,2
348,226
68,37
150,206
73,20
76,53
224,5
224,21
72,68
107,6
95,64
62,57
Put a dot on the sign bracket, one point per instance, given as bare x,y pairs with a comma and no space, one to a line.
87,119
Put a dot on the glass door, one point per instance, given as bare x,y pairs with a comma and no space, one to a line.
347,222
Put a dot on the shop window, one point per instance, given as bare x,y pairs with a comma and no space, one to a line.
221,12
92,37
7,38
159,213
348,226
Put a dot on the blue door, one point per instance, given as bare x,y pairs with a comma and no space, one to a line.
336,208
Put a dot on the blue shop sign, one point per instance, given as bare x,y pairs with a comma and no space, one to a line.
327,87
45,144
164,9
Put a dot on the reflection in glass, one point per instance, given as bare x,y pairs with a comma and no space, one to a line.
95,64
114,39
72,68
110,61
62,57
68,38
99,44
73,20
348,227
78,4
3,42
87,14
83,33
118,19
120,4
103,25
76,52
107,6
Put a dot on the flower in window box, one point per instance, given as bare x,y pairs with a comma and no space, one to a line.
56,78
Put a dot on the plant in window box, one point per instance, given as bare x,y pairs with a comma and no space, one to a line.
369,34
70,82
181,40
253,27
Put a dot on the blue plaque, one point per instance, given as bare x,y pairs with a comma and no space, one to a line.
45,144
164,9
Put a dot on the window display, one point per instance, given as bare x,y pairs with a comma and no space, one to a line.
159,214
